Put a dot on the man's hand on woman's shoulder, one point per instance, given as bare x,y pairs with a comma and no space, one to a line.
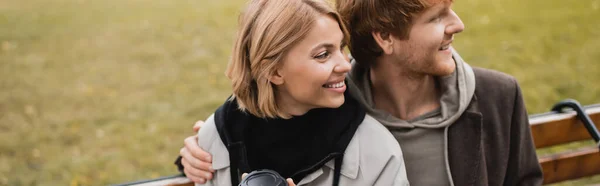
197,163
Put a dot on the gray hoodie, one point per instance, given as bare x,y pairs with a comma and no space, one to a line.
424,139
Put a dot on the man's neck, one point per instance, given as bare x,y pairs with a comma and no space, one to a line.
405,95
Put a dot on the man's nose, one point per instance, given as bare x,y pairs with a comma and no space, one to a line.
456,26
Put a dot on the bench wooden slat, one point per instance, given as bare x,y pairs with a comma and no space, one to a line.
571,165
553,129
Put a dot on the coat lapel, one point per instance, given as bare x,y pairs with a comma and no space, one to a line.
465,151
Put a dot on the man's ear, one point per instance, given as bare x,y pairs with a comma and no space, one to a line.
276,77
385,41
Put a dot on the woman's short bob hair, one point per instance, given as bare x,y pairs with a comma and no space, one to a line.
268,29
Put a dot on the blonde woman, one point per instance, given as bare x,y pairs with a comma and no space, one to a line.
290,111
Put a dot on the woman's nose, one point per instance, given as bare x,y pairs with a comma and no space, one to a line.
342,65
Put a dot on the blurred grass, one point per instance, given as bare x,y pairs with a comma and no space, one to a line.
104,92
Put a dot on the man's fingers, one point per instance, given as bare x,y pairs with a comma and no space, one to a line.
189,158
197,125
244,175
195,162
195,179
196,175
290,182
190,175
191,145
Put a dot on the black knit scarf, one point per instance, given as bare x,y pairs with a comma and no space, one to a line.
293,147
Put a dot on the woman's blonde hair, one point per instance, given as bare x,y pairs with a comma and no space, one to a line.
268,29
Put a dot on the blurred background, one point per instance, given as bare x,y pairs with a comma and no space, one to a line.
97,92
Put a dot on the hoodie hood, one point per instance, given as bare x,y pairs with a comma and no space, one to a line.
457,89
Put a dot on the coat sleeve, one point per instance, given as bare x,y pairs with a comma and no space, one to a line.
523,166
209,140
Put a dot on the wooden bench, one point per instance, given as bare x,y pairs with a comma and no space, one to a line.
556,128
548,129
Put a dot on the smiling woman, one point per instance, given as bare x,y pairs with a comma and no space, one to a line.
290,111
313,71
281,68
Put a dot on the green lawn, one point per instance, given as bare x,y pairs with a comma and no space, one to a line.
103,92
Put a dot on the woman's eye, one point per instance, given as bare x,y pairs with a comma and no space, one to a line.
322,55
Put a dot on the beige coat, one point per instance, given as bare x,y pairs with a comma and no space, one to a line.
373,157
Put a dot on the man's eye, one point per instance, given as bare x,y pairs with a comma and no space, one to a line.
322,55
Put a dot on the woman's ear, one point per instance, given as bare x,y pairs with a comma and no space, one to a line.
276,77
385,41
